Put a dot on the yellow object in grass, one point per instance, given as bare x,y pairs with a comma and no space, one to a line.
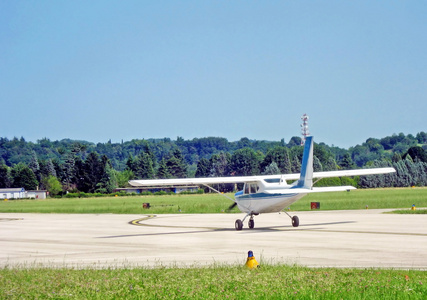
251,262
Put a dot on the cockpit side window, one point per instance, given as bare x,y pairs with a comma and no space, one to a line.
251,188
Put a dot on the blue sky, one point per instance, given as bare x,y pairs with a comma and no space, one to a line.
120,70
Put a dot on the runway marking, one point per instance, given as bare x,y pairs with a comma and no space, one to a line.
138,222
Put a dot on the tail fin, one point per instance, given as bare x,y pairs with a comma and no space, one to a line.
306,177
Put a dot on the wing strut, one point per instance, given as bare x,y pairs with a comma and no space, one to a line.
211,188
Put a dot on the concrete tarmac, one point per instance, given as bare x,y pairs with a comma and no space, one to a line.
358,238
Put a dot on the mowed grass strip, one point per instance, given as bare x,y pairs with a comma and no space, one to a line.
214,203
216,282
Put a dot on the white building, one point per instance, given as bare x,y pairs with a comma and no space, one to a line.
21,193
39,194
12,193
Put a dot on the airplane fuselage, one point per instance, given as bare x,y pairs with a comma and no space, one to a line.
265,202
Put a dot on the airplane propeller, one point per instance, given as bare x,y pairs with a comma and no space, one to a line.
232,206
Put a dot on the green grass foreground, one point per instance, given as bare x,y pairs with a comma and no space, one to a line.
217,282
214,203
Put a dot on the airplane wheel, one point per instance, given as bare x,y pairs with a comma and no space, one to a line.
295,221
238,224
251,223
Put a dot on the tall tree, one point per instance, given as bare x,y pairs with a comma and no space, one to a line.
203,168
23,176
108,181
92,173
5,179
176,165
163,171
346,162
143,166
220,164
34,165
317,165
296,164
68,171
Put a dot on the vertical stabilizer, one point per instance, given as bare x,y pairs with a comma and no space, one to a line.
306,177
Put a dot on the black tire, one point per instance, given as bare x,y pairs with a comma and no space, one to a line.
295,221
251,223
238,224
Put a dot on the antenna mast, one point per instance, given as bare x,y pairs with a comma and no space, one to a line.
304,128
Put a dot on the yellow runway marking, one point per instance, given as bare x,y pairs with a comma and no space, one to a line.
138,222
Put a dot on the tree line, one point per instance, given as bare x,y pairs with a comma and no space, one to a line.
69,165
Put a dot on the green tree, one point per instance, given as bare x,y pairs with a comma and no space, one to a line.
331,164
123,177
422,137
176,165
296,164
219,164
244,162
34,164
294,141
143,166
163,171
203,168
91,174
23,176
5,179
279,155
317,165
52,185
271,169
130,163
108,182
68,171
346,162
416,153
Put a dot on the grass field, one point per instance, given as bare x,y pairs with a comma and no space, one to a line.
216,282
214,203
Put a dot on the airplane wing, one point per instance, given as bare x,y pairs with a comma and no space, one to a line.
358,172
192,181
242,179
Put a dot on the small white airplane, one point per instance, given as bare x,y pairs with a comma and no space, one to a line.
269,193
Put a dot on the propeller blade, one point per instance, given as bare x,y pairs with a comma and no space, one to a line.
232,206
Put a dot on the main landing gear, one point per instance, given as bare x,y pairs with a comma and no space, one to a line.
295,220
251,224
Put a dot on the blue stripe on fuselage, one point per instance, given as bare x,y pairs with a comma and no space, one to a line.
261,196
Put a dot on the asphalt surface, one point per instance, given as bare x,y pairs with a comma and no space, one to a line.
362,239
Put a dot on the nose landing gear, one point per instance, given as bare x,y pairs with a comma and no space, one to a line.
251,224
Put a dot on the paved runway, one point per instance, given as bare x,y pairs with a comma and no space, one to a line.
365,238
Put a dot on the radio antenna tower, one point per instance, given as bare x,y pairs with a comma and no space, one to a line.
304,128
